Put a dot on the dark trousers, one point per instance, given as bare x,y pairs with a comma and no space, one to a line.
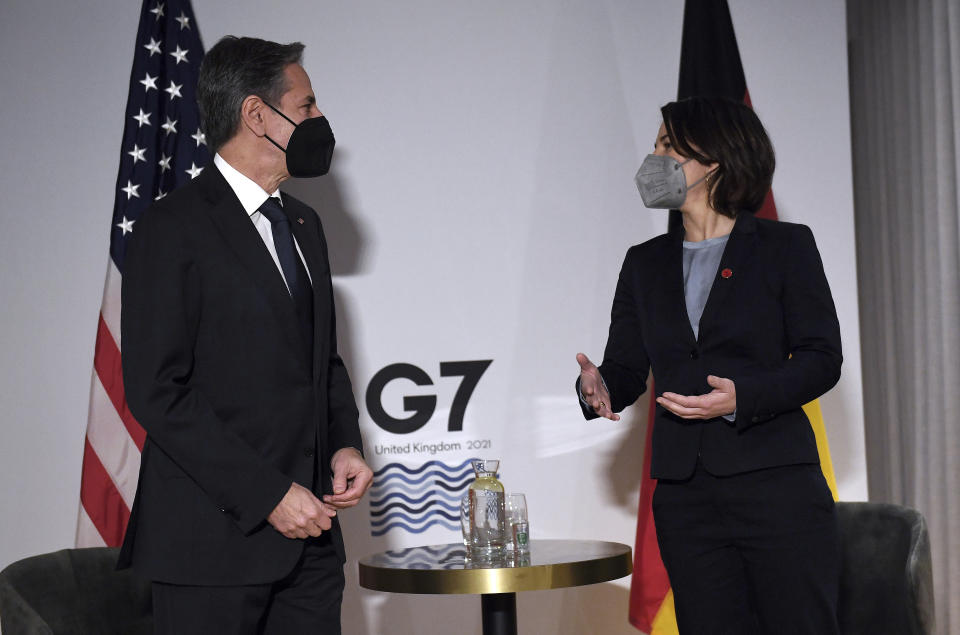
306,601
751,553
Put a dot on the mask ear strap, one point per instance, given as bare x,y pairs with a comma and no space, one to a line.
282,149
280,113
698,181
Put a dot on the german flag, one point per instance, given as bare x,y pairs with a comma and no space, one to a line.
710,66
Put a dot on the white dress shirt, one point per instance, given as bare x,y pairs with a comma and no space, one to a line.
252,196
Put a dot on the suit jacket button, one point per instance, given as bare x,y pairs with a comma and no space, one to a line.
694,354
755,420
308,452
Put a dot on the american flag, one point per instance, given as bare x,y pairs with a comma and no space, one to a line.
163,147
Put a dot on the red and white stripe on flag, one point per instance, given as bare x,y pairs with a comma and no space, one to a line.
111,454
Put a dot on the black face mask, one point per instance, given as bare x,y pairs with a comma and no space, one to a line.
310,147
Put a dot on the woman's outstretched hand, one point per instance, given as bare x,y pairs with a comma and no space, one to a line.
722,400
593,390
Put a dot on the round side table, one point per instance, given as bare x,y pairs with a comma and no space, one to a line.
445,569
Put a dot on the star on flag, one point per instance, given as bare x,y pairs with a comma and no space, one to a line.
174,90
142,118
194,171
180,55
126,225
199,137
153,46
137,154
131,190
170,125
149,82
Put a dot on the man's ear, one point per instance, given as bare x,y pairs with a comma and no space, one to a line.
252,111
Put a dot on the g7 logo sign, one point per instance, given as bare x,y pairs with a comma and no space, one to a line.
423,406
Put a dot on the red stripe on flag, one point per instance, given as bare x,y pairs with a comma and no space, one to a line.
649,589
106,361
769,208
101,499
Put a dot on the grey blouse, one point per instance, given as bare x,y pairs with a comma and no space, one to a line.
700,262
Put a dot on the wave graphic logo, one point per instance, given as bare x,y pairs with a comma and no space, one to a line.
414,500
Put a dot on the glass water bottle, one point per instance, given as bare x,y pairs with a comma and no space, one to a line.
487,514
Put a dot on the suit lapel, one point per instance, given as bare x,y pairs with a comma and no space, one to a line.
736,256
247,245
672,291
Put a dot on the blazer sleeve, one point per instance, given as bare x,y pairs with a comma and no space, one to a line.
626,363
160,316
343,418
812,332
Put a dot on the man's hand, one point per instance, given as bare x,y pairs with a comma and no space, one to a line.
722,400
593,390
301,514
352,478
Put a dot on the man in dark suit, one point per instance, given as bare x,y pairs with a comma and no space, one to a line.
230,364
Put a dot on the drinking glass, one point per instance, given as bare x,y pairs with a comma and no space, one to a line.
516,509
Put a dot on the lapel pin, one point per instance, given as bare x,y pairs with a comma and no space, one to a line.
726,273
300,220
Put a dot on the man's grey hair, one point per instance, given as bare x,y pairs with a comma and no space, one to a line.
234,69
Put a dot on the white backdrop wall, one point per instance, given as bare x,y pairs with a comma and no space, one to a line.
479,209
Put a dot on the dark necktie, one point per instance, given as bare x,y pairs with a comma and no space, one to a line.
298,283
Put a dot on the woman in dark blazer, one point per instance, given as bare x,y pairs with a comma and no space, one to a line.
734,317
